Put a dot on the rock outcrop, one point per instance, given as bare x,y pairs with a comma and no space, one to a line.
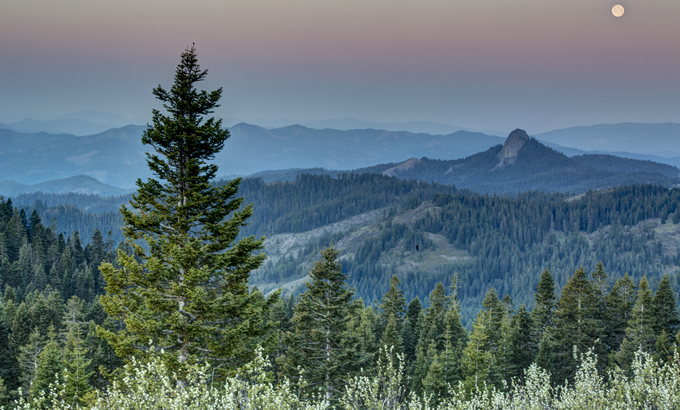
404,166
513,145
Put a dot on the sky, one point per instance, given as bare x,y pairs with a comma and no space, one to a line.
481,64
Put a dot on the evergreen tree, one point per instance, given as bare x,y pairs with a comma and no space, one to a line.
664,307
450,358
545,358
620,304
391,337
421,366
523,346
104,359
433,324
663,350
4,394
189,292
477,360
76,364
458,336
5,358
393,304
362,326
408,341
434,383
493,317
49,369
414,315
603,315
576,324
542,313
29,357
322,344
20,331
601,278
279,320
640,335
505,343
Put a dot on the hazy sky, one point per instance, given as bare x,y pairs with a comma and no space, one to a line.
484,64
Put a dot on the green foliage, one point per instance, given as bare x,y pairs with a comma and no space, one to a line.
477,358
412,329
393,306
391,338
665,309
499,241
524,346
4,395
543,312
49,369
76,364
640,335
434,321
576,324
385,391
322,345
620,304
30,356
189,292
151,385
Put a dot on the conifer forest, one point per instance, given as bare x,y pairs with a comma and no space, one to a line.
538,300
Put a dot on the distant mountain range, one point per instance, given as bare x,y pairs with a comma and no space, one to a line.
88,122
651,139
80,184
252,148
523,164
427,127
116,157
520,164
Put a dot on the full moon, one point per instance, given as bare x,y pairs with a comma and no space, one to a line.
618,10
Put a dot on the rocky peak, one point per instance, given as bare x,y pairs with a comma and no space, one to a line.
516,140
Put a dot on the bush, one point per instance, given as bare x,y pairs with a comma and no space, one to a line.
151,385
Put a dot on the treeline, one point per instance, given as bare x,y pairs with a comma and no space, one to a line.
312,201
505,240
326,338
71,212
50,286
49,308
306,202
437,352
509,240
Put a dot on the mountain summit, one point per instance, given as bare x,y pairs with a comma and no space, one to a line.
515,142
523,164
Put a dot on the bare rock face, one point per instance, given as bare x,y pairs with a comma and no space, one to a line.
516,140
404,166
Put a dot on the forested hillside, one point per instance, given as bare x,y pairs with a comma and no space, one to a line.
50,308
378,221
50,286
504,242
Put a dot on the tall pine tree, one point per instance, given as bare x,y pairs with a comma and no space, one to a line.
542,313
640,335
393,304
665,309
620,304
577,324
189,292
322,343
